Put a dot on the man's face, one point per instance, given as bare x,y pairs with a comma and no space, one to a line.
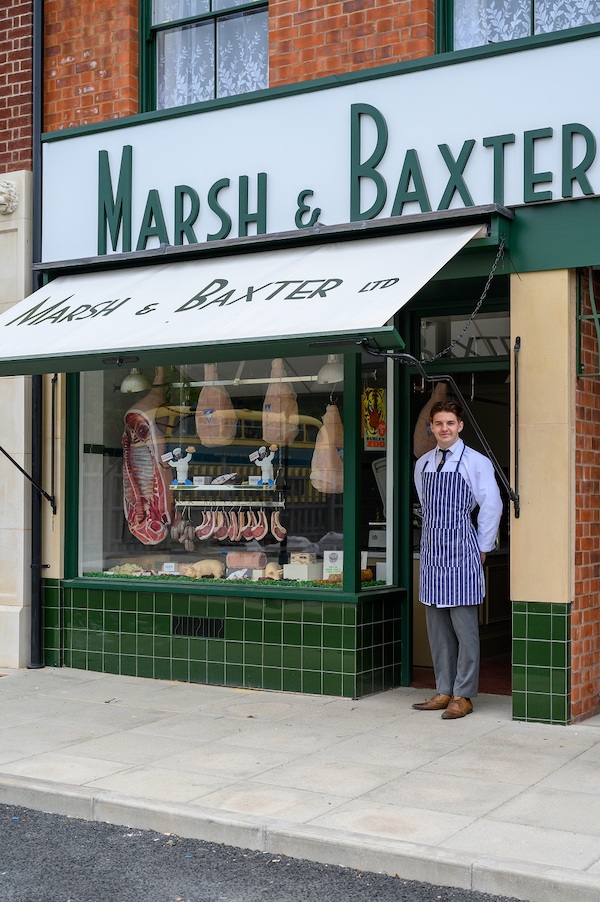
446,428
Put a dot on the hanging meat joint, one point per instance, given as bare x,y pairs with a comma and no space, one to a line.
147,500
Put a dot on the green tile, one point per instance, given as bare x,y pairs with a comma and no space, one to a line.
181,606
145,667
253,609
519,606
349,686
95,620
234,675
273,655
234,629
129,665
253,653
292,611
332,612
94,661
519,626
128,623
80,619
559,629
145,645
349,638
198,649
292,657
292,680
252,631
145,602
198,672
80,598
559,654
273,610
129,601
180,648
332,637
273,678
253,677
95,599
79,660
273,633
558,682
539,707
162,668
312,612
163,624
292,634
112,601
79,640
95,640
538,679
215,673
235,608
180,670
560,708
518,678
112,621
312,659
539,653
332,660
145,623
111,645
332,684
312,635
216,608
162,647
110,663
311,682
539,626
234,653
215,650
349,614
162,603
519,651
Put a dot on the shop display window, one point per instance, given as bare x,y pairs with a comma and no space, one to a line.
230,471
456,337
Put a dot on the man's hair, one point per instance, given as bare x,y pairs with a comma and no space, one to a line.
448,406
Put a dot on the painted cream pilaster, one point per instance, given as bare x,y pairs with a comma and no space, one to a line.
543,316
15,417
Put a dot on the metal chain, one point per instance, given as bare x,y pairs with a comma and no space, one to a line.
499,257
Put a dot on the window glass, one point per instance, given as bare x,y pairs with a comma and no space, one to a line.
376,475
488,335
480,22
223,53
219,471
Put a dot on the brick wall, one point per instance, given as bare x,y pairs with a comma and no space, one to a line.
91,61
16,85
585,635
311,40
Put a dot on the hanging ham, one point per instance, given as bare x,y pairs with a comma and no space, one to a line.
147,500
280,408
327,467
216,420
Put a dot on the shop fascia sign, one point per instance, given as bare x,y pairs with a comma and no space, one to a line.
436,139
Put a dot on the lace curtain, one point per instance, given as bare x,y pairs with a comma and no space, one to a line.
479,22
186,71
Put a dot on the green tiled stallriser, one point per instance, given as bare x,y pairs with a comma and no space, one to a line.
340,648
541,662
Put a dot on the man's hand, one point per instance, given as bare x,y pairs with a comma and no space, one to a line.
483,556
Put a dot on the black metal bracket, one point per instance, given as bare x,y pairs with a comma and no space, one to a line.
42,492
403,357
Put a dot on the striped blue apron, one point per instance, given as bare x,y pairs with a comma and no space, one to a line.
451,573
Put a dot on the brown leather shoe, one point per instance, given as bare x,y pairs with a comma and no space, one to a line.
458,707
434,704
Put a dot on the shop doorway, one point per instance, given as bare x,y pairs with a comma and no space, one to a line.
487,392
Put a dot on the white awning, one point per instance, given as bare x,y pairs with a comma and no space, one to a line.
347,288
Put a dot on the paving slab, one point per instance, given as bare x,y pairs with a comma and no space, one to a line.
482,803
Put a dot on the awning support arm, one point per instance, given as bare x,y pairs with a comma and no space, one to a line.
51,498
403,357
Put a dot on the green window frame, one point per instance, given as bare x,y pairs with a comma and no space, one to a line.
199,50
523,19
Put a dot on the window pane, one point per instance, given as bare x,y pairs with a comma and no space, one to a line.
185,66
242,53
172,10
149,503
376,473
228,4
479,22
554,15
487,336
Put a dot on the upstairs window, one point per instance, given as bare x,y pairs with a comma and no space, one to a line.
475,23
203,49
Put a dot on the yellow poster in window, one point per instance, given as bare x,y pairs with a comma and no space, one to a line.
374,419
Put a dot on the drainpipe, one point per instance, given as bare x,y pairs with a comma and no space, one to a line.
37,626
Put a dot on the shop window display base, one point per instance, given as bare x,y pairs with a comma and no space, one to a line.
347,647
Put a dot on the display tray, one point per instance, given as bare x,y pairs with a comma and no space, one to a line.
224,487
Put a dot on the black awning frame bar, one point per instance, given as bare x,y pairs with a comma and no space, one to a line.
403,357
50,497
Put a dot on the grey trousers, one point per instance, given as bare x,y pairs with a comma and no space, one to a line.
454,642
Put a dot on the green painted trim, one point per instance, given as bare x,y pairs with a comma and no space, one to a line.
201,353
71,527
350,78
561,235
352,470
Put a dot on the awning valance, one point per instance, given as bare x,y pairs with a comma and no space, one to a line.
349,288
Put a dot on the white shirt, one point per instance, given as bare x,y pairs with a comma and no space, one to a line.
478,471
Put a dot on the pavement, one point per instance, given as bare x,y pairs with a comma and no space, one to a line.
481,803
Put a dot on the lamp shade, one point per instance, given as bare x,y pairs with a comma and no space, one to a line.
332,371
134,382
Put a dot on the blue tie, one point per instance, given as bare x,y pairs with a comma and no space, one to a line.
445,452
